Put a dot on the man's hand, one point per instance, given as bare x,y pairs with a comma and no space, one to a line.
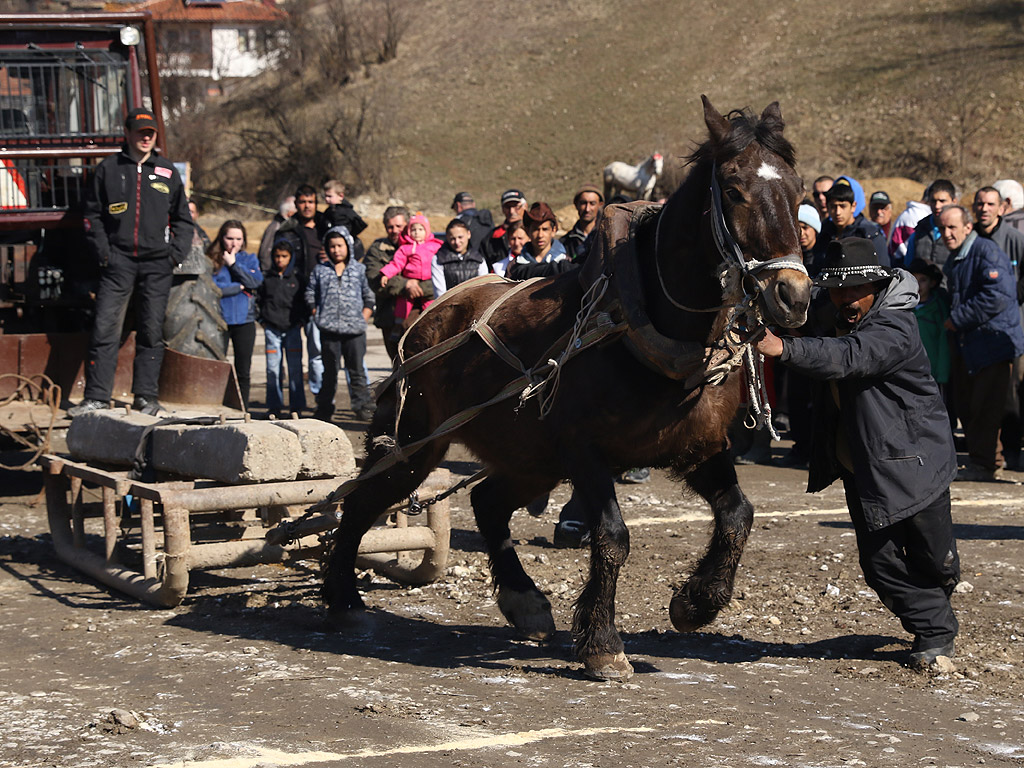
413,289
948,325
770,345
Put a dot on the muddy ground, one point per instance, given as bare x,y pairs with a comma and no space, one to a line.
805,667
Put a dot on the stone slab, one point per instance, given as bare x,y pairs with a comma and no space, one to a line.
246,452
107,437
326,449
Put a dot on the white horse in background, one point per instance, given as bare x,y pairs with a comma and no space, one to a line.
635,180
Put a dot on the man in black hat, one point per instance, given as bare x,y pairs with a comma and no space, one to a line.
133,198
881,427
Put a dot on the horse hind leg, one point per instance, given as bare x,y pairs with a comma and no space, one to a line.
520,602
709,588
596,641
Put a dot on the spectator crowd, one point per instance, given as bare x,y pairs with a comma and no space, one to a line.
314,281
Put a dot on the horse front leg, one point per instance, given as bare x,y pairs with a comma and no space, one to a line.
709,588
520,602
362,508
595,639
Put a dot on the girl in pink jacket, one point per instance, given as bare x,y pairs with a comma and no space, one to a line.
412,260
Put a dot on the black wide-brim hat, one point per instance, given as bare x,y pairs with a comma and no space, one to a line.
851,261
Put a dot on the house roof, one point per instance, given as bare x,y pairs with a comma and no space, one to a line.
230,11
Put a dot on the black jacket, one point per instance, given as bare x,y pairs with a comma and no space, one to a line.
457,268
344,214
291,231
495,246
280,299
480,224
897,431
577,244
860,227
129,207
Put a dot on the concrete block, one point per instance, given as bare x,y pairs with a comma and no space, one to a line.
326,449
107,437
228,453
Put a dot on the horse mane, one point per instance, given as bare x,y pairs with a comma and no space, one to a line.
746,129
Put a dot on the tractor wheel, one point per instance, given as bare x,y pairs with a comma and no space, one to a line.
193,323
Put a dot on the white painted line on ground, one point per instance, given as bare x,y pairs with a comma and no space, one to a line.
267,756
695,517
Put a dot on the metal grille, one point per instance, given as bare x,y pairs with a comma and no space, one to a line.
60,94
42,185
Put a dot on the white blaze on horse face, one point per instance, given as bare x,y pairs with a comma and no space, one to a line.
768,172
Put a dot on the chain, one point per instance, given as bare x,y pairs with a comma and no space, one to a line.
417,507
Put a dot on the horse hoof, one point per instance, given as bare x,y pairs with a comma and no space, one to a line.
351,621
529,613
605,667
686,616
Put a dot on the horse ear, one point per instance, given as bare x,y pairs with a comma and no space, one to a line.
717,125
773,115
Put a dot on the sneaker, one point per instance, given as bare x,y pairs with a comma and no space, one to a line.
922,658
87,406
571,534
975,473
364,414
636,476
147,404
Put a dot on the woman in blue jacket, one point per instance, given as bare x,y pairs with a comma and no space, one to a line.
237,273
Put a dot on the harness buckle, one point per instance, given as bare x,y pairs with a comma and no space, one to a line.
415,506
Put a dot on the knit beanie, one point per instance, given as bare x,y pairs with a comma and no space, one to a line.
419,218
809,216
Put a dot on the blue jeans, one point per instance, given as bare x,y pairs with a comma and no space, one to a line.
316,360
291,342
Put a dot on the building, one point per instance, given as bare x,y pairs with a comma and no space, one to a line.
208,44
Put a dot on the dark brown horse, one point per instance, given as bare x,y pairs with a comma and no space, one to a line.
613,408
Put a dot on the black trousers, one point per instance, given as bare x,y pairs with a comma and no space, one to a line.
243,341
391,341
150,281
335,348
912,565
799,396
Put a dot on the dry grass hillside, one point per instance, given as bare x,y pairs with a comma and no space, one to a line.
542,94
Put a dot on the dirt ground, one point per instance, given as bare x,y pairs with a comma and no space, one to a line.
805,667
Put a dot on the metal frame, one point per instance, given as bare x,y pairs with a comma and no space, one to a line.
165,519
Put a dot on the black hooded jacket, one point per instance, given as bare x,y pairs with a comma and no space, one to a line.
896,427
130,206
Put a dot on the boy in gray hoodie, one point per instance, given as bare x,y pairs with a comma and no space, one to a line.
342,303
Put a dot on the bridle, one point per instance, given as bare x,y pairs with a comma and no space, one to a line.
731,254
738,269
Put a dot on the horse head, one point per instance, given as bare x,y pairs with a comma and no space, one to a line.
755,195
